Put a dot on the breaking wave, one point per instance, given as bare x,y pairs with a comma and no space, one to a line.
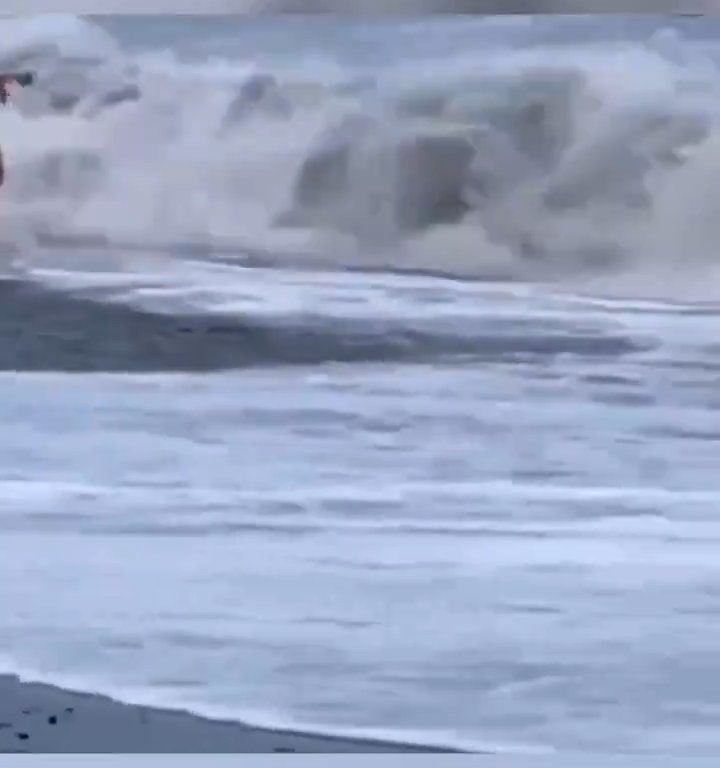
535,162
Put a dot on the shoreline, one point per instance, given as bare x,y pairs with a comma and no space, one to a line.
42,718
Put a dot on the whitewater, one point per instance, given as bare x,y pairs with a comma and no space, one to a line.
361,375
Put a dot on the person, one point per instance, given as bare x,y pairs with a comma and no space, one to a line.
6,80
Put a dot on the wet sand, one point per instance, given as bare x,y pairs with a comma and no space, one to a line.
43,718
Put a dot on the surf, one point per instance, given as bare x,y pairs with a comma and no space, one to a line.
538,162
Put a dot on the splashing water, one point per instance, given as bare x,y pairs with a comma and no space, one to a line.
502,160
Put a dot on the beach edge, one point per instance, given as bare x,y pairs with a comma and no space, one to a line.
42,718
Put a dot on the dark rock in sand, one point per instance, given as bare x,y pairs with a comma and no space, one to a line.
95,724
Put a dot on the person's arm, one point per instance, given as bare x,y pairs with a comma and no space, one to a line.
22,79
6,78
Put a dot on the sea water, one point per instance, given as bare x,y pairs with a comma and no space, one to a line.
361,376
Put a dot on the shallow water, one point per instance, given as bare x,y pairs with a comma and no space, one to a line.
238,477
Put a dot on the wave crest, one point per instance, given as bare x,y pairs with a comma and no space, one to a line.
523,163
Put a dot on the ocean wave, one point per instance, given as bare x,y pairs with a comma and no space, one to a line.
98,330
522,162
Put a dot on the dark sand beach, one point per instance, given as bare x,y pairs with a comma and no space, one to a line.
43,718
